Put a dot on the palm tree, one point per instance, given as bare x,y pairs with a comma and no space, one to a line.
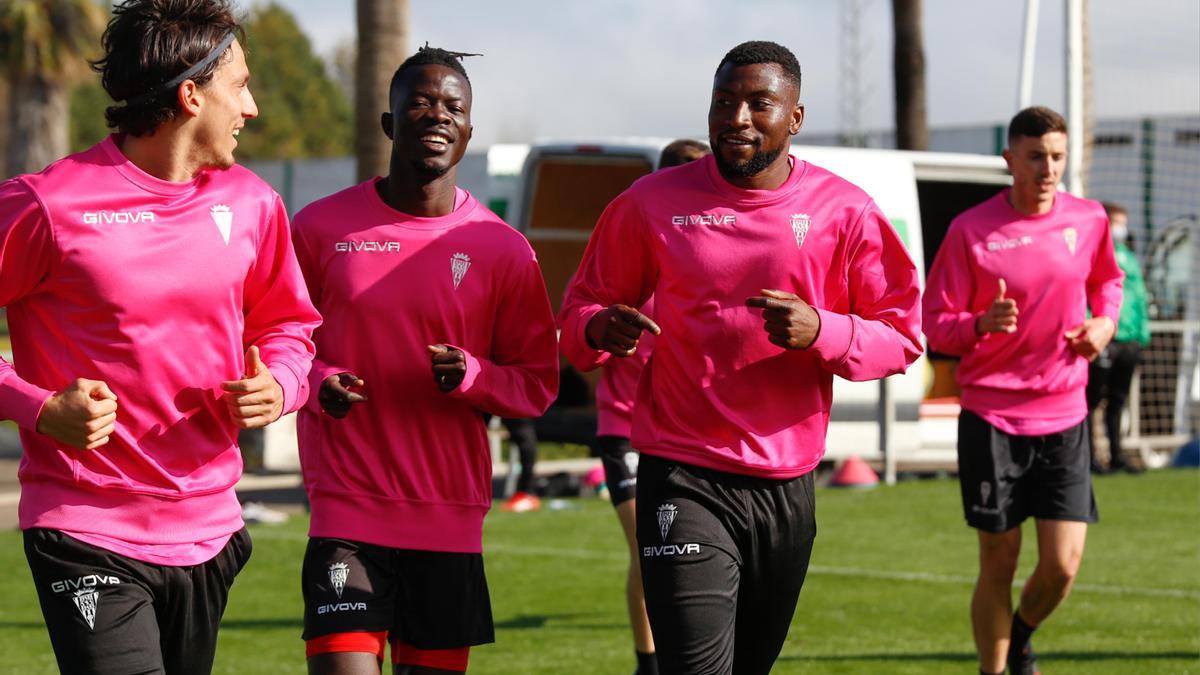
912,131
44,45
382,45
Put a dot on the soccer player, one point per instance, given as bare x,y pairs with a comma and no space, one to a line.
615,396
1110,375
436,314
769,276
156,308
1007,292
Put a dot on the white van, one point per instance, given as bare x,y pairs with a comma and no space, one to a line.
564,186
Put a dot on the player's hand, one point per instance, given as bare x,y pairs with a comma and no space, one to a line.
256,400
449,367
1001,317
617,328
336,396
1090,338
82,416
790,322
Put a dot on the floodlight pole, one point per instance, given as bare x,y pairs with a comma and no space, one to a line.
1075,113
1028,50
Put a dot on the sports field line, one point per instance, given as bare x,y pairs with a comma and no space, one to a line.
885,575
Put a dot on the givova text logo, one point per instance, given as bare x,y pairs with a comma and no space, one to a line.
367,246
117,217
704,219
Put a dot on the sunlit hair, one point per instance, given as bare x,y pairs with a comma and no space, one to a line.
1035,122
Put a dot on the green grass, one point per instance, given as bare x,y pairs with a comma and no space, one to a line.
888,590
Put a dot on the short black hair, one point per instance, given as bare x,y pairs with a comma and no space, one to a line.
763,51
150,42
682,151
1035,122
431,56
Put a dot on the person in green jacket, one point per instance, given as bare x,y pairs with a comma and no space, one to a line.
1110,375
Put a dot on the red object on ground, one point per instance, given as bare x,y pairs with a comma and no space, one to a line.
854,473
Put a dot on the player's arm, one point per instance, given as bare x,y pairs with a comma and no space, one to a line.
280,320
617,274
950,323
880,334
333,389
1105,284
519,377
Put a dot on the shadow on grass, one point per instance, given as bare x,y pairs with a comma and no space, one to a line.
252,624
970,657
18,625
535,621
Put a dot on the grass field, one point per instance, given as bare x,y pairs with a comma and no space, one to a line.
887,593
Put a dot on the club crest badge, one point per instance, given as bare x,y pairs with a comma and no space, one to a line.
338,573
86,600
1071,237
459,264
800,222
666,518
223,217
985,491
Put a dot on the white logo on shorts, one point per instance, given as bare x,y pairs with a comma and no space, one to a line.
631,462
985,491
459,263
86,601
338,572
666,518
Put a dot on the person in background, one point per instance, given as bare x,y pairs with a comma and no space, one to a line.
1110,375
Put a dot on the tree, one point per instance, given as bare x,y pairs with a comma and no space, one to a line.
382,46
44,46
912,130
302,113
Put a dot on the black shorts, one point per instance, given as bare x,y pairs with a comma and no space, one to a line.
427,599
620,463
723,558
107,613
1007,478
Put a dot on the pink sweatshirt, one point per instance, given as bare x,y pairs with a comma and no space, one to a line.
716,393
617,390
158,289
1055,266
410,467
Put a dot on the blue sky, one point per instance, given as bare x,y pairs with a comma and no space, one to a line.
634,67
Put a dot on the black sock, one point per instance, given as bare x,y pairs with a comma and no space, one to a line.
1020,651
647,663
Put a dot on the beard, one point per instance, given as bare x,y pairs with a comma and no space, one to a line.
751,167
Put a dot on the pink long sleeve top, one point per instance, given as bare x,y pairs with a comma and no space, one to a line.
716,393
156,288
410,467
1055,265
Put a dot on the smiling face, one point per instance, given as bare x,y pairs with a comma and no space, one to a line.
430,122
226,104
751,120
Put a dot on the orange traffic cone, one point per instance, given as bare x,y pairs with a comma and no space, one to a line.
854,473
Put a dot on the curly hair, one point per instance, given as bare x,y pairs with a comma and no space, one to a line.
761,51
150,42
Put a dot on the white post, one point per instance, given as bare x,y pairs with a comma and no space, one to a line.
1028,51
887,428
1075,117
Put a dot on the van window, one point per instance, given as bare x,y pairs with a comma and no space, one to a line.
569,194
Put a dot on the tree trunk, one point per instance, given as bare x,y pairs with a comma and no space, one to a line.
912,129
382,45
38,113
